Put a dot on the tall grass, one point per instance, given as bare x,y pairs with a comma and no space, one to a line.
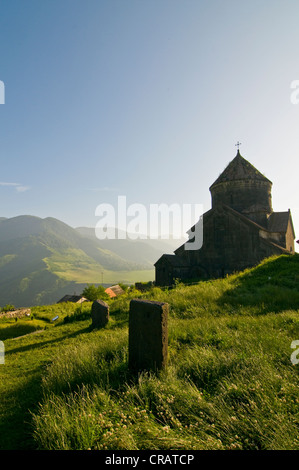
211,397
229,383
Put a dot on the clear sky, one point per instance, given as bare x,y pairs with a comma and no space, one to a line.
144,99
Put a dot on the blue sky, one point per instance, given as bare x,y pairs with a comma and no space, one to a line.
144,99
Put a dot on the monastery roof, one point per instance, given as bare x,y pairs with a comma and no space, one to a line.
174,260
278,222
240,169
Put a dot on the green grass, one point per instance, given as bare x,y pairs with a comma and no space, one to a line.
17,328
128,277
230,383
76,266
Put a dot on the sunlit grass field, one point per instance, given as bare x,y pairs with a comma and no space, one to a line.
75,266
229,384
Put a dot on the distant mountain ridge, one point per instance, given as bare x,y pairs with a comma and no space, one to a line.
43,259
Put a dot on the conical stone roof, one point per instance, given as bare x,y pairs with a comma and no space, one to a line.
239,169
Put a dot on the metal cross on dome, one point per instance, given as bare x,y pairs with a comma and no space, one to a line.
238,145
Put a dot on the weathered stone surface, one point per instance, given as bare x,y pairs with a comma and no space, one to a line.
148,335
99,314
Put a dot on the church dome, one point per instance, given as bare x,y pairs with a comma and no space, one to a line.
242,187
240,169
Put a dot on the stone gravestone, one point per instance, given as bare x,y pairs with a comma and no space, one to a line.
99,314
148,335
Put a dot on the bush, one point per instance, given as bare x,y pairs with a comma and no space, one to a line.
8,308
92,293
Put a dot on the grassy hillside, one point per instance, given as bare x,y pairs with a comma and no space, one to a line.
230,383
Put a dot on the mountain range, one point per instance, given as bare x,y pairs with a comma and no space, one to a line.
41,260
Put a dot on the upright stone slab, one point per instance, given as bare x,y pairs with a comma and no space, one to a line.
148,335
99,314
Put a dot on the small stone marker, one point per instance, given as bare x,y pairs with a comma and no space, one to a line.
99,314
148,335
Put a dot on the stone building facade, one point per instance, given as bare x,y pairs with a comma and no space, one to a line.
239,231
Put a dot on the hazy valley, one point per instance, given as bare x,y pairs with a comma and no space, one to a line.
41,260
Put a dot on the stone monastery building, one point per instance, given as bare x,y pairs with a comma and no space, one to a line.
239,230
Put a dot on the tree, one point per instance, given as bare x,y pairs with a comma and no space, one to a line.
124,287
92,293
8,308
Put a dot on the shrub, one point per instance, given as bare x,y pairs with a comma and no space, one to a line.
92,293
8,308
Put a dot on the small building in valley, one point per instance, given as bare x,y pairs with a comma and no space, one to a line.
114,291
77,299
